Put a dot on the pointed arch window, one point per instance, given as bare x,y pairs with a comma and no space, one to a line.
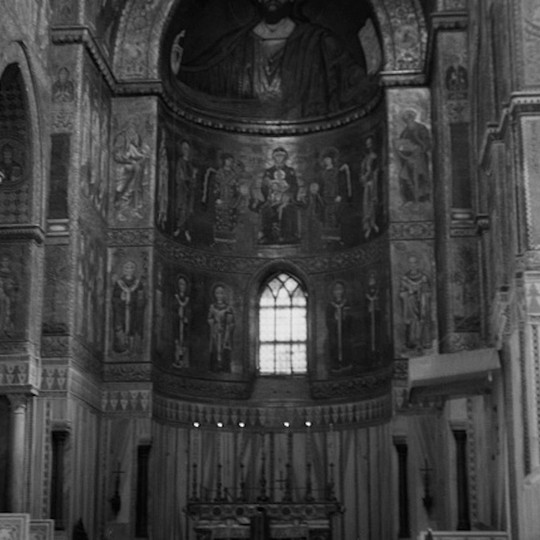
283,326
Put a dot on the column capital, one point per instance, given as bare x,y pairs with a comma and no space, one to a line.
18,402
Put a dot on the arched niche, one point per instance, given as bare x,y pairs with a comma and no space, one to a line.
401,25
16,65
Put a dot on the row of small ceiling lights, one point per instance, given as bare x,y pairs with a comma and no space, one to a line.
243,424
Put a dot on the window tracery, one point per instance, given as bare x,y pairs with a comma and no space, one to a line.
283,326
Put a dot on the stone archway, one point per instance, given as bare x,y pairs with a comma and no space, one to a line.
17,54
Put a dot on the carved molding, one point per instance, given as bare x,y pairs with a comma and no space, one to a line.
134,401
372,411
16,348
521,103
202,388
18,373
139,88
61,35
274,128
22,232
127,372
54,378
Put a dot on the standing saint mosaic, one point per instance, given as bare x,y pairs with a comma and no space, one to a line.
182,303
221,322
128,303
339,327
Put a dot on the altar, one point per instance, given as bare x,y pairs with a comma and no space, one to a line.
287,521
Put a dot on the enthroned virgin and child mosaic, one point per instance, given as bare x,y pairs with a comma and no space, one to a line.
238,195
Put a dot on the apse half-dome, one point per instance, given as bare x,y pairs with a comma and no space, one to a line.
281,60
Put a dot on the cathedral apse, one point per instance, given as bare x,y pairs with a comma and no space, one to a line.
270,179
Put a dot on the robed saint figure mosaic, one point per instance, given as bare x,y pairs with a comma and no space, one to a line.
286,59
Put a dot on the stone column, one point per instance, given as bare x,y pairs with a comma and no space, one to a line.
18,403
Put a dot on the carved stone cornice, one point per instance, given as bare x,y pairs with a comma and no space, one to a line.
492,135
525,102
137,372
202,388
16,348
367,386
131,400
521,104
139,88
22,232
83,35
270,418
447,20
